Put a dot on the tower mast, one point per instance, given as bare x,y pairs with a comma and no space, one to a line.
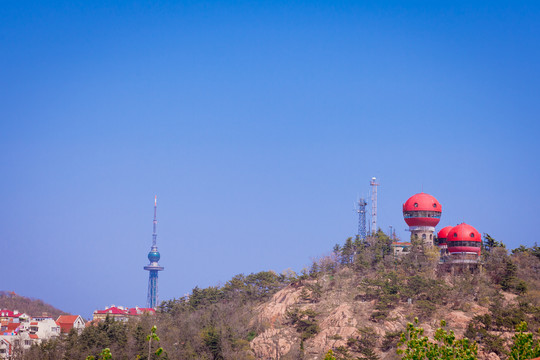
362,219
374,185
153,268
154,233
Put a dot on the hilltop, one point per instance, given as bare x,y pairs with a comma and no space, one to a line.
33,307
356,301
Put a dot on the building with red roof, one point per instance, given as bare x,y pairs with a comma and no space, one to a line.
5,348
422,212
120,313
13,316
68,322
442,235
464,244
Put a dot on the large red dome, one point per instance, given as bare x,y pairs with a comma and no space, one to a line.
443,234
422,210
464,238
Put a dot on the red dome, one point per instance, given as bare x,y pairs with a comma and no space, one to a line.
422,202
443,234
422,210
464,238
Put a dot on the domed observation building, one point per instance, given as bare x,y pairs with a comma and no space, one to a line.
422,212
442,237
464,244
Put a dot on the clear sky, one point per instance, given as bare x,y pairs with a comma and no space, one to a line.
257,124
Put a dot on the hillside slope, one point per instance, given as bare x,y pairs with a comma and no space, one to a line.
356,302
34,307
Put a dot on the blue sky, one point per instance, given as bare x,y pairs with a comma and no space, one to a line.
257,124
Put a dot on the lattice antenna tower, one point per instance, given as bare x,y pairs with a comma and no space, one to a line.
362,233
374,185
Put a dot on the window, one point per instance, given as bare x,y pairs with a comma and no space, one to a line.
422,214
416,236
424,236
415,204
27,342
434,205
475,244
430,236
472,235
455,234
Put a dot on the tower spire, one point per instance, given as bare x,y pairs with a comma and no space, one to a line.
154,234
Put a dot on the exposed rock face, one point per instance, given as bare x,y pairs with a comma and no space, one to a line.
336,328
273,343
458,320
341,316
274,310
491,356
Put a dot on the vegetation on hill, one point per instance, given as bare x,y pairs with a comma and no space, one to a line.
354,303
33,307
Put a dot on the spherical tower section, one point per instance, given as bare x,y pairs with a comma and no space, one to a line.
422,212
154,255
464,244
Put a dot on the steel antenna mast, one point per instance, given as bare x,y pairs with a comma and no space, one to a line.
362,233
374,185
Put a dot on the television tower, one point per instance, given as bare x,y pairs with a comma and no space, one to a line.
153,267
374,185
362,219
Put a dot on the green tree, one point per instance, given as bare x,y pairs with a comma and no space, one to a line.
212,340
444,347
490,243
524,346
329,355
153,336
104,355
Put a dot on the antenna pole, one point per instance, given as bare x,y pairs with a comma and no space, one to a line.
374,185
154,234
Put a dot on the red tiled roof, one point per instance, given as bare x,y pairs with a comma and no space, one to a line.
66,322
67,319
140,311
131,311
112,310
12,326
9,313
33,323
33,336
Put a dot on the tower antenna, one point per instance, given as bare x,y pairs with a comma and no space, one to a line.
153,268
374,185
362,219
154,233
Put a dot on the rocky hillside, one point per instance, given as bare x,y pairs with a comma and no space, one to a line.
356,302
34,307
344,320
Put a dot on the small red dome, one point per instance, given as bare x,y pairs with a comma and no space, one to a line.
443,233
422,210
464,238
